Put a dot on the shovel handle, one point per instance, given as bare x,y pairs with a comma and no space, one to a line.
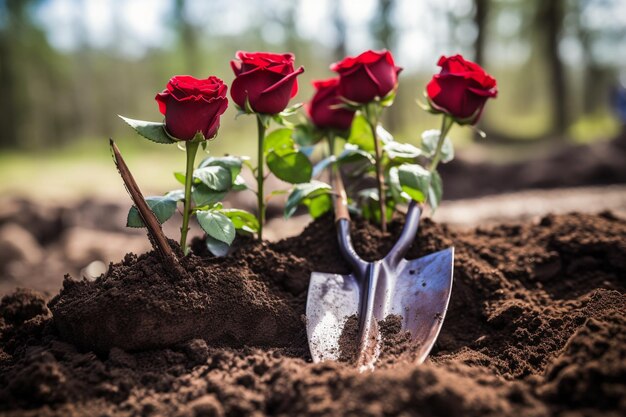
340,199
406,238
342,223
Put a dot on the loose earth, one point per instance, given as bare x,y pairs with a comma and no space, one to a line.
536,327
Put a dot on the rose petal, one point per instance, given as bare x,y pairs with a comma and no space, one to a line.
161,99
275,98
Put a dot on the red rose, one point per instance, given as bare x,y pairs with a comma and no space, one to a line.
266,80
191,106
367,76
321,110
461,89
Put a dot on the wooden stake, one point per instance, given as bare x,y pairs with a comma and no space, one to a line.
155,232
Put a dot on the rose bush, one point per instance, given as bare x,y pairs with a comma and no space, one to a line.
367,76
263,80
323,110
460,89
191,105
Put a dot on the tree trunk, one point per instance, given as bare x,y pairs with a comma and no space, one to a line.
481,9
340,50
550,20
384,31
187,37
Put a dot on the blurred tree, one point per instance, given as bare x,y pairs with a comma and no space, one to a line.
339,22
549,23
383,29
13,106
481,10
30,79
597,76
187,37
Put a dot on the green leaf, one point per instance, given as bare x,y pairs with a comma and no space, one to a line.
322,165
415,181
361,134
318,205
242,220
176,195
395,187
292,167
180,177
150,130
216,247
384,135
204,196
279,142
216,225
239,184
303,191
305,134
217,178
397,150
447,151
430,138
387,101
163,208
368,202
351,153
291,110
429,141
232,163
435,191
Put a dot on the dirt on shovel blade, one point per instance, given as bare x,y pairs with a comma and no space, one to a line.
536,327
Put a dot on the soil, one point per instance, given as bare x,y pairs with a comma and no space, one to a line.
600,163
536,327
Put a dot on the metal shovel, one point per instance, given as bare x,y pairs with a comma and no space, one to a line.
417,290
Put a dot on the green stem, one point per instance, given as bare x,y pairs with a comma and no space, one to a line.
331,144
260,177
191,149
372,120
446,124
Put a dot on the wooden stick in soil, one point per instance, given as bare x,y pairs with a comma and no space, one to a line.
155,232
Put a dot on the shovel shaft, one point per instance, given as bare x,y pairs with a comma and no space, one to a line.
407,236
340,199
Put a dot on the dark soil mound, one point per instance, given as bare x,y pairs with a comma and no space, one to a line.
137,306
536,326
599,163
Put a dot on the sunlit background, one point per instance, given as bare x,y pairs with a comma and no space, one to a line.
68,67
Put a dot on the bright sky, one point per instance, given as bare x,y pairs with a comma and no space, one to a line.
142,23
132,26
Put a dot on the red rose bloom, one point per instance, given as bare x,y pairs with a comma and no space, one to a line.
367,76
191,106
267,81
461,89
321,110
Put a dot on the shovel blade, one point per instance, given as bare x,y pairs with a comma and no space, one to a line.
417,290
331,299
421,295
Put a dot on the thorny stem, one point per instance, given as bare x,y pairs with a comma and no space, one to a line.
372,119
446,124
259,177
191,149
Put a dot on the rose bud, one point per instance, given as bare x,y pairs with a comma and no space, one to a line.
460,89
323,110
191,105
265,80
367,76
